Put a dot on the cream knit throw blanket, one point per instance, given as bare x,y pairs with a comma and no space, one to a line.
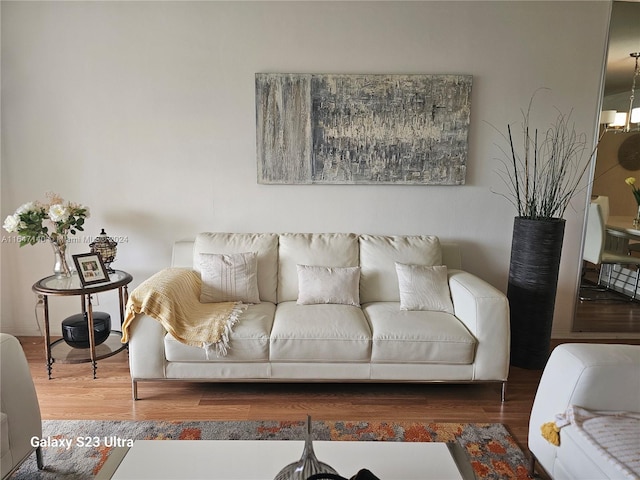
172,297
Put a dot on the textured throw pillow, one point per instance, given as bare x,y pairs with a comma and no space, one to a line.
424,288
328,285
229,277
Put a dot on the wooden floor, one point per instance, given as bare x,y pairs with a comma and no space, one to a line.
615,314
73,394
609,313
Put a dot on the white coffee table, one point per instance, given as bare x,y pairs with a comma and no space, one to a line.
263,459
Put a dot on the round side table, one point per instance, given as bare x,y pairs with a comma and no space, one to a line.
61,352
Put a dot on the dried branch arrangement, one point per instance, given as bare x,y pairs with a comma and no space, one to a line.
543,170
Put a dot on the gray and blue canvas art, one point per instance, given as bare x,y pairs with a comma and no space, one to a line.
362,129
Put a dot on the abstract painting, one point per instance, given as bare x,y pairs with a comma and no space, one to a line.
362,129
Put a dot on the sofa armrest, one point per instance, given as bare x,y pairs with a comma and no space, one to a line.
21,417
485,312
146,348
592,376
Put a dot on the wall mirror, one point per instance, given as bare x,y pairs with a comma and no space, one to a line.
618,159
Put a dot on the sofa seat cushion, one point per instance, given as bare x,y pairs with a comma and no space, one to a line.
320,333
417,336
248,342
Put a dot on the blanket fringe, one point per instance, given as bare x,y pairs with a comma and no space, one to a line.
551,433
221,348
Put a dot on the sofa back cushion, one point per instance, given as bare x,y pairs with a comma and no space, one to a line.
316,249
264,244
378,256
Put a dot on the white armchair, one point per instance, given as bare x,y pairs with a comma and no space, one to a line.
596,377
20,412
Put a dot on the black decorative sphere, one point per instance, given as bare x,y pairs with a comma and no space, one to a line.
75,329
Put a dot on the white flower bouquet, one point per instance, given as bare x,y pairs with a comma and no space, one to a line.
30,220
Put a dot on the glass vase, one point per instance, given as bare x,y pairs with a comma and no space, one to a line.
307,465
636,221
61,260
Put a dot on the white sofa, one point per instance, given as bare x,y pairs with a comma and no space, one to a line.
596,377
20,411
279,340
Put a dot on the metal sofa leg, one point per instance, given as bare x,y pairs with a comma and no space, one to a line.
39,460
134,389
532,465
503,395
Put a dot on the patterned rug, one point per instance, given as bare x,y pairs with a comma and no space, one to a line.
77,449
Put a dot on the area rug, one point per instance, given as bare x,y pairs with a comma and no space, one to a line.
77,449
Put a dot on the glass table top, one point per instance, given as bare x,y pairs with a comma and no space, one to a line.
73,286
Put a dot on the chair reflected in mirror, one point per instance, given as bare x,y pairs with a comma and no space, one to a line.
605,260
603,201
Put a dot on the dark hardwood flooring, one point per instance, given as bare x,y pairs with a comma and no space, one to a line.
607,317
609,313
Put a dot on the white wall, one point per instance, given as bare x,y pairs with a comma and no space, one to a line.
145,112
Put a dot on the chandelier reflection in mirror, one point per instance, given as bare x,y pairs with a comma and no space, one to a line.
624,121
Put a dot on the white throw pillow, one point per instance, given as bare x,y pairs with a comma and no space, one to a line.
229,277
424,288
328,285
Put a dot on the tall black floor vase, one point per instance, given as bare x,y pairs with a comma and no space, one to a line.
533,280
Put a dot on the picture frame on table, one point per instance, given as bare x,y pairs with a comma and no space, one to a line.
90,268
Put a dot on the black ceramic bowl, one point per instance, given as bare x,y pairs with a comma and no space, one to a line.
75,329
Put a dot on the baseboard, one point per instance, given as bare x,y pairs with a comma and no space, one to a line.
594,336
